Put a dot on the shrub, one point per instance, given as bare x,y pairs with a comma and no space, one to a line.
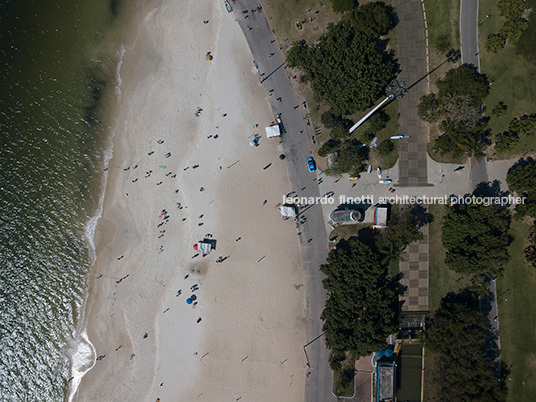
499,110
495,43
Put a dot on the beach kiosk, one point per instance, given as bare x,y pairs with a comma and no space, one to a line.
205,246
288,211
273,131
380,217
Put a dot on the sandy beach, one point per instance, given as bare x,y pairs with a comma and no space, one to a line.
191,176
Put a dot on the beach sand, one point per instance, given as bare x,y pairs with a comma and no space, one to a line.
249,343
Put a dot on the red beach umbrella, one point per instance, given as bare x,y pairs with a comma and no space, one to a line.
195,246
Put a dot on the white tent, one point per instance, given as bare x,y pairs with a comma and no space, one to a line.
204,248
273,131
288,211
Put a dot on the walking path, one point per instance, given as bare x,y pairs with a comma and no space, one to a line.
414,270
411,54
412,152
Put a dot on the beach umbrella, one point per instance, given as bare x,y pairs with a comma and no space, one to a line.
195,246
193,297
252,143
189,301
282,156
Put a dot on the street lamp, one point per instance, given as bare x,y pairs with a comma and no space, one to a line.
485,18
395,90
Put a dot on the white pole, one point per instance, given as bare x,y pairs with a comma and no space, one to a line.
356,125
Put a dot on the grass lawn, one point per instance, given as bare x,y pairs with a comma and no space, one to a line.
442,280
283,15
517,318
513,79
443,17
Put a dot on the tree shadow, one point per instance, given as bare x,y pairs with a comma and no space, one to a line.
523,162
420,215
489,189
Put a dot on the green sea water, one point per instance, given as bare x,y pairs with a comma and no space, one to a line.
58,61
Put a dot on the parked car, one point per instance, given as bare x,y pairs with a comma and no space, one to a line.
312,165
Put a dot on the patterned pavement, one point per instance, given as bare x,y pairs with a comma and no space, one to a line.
411,53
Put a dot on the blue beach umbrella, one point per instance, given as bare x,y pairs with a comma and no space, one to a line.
189,300
193,297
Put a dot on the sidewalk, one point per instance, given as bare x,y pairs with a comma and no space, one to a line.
411,54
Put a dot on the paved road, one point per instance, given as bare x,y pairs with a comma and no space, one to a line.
478,172
470,55
469,32
297,148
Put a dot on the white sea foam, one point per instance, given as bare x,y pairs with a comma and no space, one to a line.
83,353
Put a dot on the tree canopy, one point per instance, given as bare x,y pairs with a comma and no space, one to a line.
526,46
346,68
362,305
458,107
464,80
476,238
457,333
522,179
373,19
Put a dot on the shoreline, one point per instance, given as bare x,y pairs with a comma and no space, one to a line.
137,294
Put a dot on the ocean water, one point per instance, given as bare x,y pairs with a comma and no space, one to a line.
58,61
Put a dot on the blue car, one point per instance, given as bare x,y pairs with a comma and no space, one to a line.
312,165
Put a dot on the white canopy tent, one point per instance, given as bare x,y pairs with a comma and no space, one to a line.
204,248
273,131
288,211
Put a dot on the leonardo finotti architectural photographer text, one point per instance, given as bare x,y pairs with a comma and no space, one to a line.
407,199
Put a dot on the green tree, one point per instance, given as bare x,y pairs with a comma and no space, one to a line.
499,110
402,230
511,9
495,43
374,19
328,119
340,6
525,124
459,108
530,250
506,141
428,108
386,147
476,238
457,333
464,80
443,44
526,46
361,309
378,121
522,180
328,147
513,29
346,68
339,131
350,158
458,139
